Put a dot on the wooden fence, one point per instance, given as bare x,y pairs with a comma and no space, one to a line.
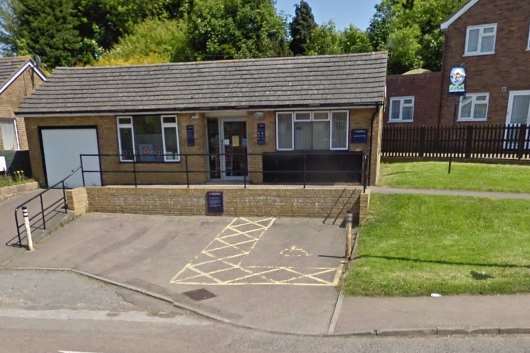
459,142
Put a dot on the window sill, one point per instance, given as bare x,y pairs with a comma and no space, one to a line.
472,120
469,55
137,163
400,121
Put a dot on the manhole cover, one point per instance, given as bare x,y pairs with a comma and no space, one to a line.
199,294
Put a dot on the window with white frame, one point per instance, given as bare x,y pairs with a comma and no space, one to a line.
480,40
148,139
474,107
310,131
401,109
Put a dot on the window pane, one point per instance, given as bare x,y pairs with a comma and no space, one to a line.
321,116
285,131
472,40
321,135
396,107
126,144
8,137
487,45
124,121
303,135
302,116
408,112
467,104
489,30
520,109
340,134
480,111
170,120
170,137
148,139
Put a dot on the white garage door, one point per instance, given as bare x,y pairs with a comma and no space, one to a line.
62,148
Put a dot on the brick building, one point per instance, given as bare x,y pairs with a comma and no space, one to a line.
491,39
19,77
226,120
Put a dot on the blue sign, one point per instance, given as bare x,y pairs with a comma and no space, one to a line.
457,81
359,136
260,134
190,134
214,202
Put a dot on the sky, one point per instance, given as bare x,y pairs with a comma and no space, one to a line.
342,12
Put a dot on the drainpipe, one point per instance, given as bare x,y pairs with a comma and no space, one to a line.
377,111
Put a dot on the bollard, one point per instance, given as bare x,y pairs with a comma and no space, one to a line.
349,236
28,227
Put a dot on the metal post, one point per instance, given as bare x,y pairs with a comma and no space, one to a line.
187,172
82,169
349,236
64,198
42,212
28,227
304,170
134,171
18,227
450,165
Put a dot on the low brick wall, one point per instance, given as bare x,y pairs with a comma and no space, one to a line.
326,203
7,192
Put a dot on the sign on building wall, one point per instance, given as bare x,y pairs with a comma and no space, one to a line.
260,132
457,81
359,136
214,202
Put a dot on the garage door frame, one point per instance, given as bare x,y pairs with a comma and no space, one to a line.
65,127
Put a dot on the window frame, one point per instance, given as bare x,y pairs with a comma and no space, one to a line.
473,103
402,100
511,98
120,126
175,125
528,42
329,120
480,35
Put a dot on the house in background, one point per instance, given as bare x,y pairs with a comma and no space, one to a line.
19,77
255,120
491,39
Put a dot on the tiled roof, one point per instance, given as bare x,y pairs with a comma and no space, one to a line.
9,67
353,79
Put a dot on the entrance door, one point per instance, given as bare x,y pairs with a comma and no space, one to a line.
62,148
235,149
518,113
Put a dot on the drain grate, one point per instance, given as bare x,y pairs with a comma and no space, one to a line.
199,294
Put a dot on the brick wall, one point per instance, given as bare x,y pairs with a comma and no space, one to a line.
329,203
108,144
425,88
507,70
11,98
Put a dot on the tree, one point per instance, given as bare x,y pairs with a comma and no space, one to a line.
301,28
325,40
355,41
34,27
152,41
228,29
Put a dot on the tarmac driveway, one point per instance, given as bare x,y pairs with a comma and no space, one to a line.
276,274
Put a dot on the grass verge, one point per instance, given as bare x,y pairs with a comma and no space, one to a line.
464,176
417,245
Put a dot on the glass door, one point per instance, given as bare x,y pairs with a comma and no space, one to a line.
214,149
235,149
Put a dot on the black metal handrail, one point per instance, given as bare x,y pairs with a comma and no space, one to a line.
183,159
41,216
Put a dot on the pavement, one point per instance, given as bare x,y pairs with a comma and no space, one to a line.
444,192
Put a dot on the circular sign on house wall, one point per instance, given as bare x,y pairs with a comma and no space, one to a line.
457,78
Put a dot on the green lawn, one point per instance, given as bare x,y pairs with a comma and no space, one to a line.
464,176
418,245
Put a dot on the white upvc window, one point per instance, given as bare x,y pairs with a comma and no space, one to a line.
474,107
148,138
312,131
125,138
481,40
401,110
170,138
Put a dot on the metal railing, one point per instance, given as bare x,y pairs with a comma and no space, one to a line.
39,219
305,174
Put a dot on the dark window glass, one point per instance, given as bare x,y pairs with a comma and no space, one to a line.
148,139
172,149
126,144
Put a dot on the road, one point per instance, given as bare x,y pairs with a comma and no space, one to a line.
59,335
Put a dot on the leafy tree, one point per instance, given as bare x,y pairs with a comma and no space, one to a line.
152,41
379,28
227,29
37,27
325,40
301,28
355,41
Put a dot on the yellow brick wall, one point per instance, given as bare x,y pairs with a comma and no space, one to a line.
23,86
323,203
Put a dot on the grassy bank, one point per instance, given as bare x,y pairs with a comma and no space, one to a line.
417,245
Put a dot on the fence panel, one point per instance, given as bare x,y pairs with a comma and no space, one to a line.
469,142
